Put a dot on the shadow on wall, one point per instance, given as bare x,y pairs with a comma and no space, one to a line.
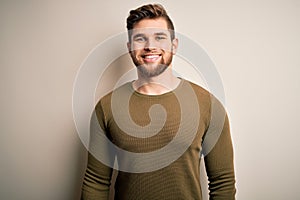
117,73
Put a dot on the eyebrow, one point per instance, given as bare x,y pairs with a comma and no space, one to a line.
139,35
161,33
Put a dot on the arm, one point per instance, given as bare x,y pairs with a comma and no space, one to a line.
97,179
218,151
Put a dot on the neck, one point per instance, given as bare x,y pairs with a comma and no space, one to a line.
157,85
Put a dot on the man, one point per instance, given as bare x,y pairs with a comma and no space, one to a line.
156,127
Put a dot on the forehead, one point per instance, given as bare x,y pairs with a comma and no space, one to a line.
157,23
151,26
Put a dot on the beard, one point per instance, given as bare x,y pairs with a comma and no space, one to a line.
150,70
154,71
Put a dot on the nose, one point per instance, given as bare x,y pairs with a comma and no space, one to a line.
150,44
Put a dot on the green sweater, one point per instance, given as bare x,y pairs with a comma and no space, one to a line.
147,126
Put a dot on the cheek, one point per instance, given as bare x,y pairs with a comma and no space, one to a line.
133,53
166,47
137,47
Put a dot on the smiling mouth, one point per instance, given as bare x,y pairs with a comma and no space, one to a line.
151,57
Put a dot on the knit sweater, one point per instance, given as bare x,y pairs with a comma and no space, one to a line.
196,121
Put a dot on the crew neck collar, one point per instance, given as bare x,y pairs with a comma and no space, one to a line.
135,92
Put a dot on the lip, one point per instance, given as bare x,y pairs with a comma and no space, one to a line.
151,57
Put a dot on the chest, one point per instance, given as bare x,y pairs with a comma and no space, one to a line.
151,125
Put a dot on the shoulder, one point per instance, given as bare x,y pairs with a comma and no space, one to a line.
197,88
106,100
203,95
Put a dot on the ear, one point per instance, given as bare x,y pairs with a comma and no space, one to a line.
174,45
129,46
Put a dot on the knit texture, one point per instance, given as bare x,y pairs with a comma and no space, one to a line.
180,178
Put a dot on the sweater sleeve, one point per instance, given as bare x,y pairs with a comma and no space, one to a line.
96,181
97,178
218,152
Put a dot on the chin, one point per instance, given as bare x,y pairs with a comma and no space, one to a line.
157,70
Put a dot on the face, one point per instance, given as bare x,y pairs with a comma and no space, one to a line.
151,47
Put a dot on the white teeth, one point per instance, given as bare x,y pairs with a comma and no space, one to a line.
152,56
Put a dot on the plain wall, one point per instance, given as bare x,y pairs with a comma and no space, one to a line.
254,44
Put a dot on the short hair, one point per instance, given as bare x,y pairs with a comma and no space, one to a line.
150,11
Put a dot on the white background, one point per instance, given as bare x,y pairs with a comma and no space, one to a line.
254,44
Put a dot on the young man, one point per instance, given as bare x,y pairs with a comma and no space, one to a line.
158,125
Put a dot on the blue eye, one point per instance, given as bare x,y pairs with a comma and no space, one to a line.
160,37
140,39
